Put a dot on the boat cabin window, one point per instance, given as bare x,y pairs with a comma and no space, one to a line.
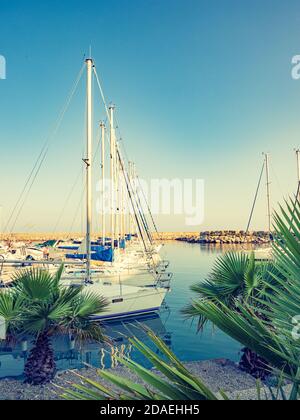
118,300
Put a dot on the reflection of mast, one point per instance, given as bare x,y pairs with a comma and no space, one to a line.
102,359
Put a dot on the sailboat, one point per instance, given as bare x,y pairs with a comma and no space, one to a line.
19,254
125,300
122,253
262,254
266,253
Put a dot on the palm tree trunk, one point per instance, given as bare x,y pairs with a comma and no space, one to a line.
40,367
255,365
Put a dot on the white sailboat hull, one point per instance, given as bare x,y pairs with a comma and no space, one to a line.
128,301
134,305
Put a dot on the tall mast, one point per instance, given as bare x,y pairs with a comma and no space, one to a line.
267,158
112,173
119,205
122,206
88,161
102,126
129,206
117,186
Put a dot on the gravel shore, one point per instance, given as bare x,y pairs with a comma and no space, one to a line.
217,374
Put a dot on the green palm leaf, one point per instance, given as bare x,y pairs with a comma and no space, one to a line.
39,305
178,385
265,324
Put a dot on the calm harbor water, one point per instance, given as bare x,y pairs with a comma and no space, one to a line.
190,263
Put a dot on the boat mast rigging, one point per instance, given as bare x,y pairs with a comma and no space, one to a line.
103,129
112,174
267,157
88,162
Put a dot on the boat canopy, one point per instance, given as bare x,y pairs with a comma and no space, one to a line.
99,253
47,244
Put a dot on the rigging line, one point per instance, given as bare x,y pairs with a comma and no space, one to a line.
67,201
77,211
104,102
142,213
277,179
148,206
255,198
46,144
137,179
28,192
22,192
84,187
144,219
139,182
136,186
121,137
295,206
136,195
140,210
129,190
108,116
137,212
139,204
136,216
102,93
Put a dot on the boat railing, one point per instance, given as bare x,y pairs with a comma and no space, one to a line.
42,262
164,279
164,264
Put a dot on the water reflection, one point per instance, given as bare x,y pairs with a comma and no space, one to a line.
217,249
72,355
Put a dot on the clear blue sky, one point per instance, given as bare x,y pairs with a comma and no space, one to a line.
202,89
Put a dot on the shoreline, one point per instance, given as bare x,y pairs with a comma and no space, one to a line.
220,374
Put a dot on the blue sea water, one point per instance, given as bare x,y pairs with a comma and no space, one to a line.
190,263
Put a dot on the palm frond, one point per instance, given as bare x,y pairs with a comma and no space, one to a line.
34,284
265,324
251,277
39,302
11,306
173,383
88,304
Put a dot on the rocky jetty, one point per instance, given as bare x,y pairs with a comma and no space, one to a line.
209,237
228,237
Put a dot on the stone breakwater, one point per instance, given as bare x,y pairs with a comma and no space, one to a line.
209,237
228,237
42,237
